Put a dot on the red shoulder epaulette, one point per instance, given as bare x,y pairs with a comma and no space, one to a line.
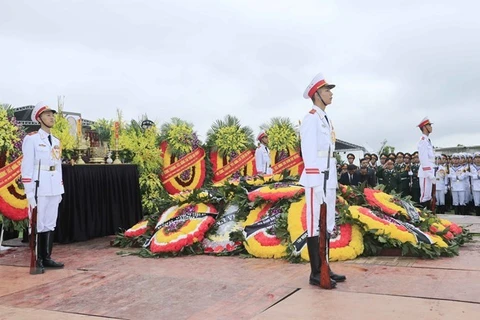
32,133
423,138
313,111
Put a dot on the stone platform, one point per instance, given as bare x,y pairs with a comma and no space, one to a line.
97,283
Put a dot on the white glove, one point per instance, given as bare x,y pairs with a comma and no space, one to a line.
410,173
445,191
434,181
31,202
319,194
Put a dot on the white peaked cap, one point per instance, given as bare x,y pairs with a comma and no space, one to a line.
261,135
317,82
424,122
39,109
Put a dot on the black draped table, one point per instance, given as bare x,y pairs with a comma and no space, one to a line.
98,201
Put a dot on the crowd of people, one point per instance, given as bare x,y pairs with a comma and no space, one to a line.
448,182
457,178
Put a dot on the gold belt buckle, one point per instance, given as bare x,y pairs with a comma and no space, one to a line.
51,168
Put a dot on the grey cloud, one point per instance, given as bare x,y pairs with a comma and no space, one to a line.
393,63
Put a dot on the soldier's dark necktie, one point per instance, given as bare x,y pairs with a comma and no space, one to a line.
326,118
50,139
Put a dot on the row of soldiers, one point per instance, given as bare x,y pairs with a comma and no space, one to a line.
457,178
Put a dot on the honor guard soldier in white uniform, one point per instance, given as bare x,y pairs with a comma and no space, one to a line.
457,176
262,155
317,138
464,160
475,176
441,184
426,172
41,150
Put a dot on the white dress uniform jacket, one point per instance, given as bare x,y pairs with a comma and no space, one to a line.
36,148
441,183
426,157
441,178
457,175
262,160
317,135
426,174
475,174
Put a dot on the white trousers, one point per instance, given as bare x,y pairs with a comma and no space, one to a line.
313,211
425,189
47,212
468,195
440,195
458,198
476,198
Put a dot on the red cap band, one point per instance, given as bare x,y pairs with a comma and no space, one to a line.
261,136
39,112
316,87
424,123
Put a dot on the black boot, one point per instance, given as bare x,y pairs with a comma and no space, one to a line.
426,205
455,208
477,211
334,276
41,249
26,236
48,262
469,209
461,210
313,253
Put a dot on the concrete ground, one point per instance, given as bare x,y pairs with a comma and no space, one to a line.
99,284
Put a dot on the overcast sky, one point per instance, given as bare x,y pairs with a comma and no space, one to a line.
394,62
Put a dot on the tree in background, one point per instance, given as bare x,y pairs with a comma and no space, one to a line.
388,149
61,130
140,147
104,129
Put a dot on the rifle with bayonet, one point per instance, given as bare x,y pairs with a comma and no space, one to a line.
325,281
33,230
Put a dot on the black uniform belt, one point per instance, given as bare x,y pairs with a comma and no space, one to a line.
46,168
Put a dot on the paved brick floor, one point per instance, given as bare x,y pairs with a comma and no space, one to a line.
97,283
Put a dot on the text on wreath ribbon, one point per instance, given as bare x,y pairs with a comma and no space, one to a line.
10,172
287,163
182,164
236,164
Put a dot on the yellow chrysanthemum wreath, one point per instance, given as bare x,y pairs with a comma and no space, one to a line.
264,243
347,245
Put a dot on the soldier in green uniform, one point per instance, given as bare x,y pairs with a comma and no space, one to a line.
398,160
402,172
391,179
380,167
383,158
414,181
392,156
